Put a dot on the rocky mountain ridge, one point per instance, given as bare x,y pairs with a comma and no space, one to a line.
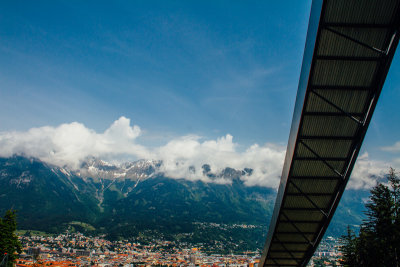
137,170
138,198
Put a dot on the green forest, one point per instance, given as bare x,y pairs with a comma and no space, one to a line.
378,241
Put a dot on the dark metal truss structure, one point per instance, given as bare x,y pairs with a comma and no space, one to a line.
349,48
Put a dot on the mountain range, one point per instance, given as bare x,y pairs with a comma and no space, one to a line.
135,199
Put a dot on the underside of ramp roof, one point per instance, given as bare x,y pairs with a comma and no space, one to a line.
349,48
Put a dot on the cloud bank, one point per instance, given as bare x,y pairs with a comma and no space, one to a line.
69,144
367,172
183,157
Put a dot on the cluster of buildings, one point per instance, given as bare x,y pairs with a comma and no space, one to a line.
328,253
77,249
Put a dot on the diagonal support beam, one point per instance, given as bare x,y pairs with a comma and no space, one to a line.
298,230
391,43
322,159
357,41
287,250
309,199
337,107
275,262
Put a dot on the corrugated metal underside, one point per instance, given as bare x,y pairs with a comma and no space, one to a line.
353,50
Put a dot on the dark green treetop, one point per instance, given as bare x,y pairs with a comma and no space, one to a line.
9,243
378,243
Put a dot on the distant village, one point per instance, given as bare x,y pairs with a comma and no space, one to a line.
76,249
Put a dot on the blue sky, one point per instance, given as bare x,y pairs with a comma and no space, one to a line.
174,68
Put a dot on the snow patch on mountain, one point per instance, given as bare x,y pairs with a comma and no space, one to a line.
97,168
143,169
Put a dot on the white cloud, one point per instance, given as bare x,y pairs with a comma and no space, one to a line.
394,148
367,172
70,144
180,154
183,157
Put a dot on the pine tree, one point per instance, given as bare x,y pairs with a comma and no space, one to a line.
394,182
378,243
349,248
9,243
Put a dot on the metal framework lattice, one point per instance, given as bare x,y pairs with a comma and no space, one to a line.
349,48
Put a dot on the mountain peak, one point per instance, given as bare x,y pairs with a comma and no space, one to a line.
97,168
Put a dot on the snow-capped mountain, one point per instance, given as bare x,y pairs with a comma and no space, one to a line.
137,170
123,200
143,169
